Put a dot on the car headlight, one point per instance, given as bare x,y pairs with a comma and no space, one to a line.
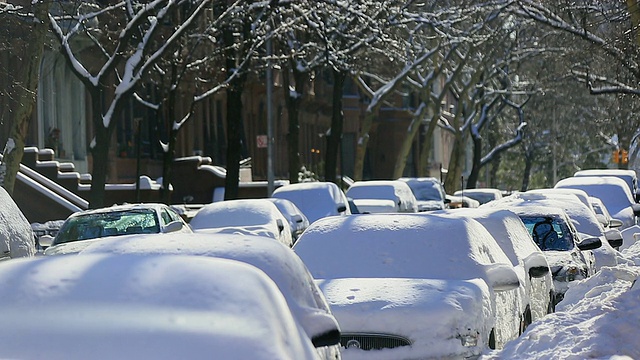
469,339
568,273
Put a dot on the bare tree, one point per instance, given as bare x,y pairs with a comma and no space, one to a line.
28,29
127,53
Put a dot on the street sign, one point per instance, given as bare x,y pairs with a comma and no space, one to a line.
262,141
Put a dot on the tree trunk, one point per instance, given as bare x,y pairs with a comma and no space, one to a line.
477,164
293,102
100,154
363,141
453,180
337,121
526,176
234,141
25,97
425,151
407,144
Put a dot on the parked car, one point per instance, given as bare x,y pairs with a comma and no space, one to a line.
278,261
529,262
457,201
482,195
387,196
116,220
105,306
16,236
629,176
429,192
248,216
603,213
556,236
315,199
613,192
298,222
589,229
406,286
580,194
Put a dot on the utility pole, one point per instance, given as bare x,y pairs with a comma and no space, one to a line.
270,140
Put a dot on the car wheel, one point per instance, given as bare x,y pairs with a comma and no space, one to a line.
492,339
525,321
551,308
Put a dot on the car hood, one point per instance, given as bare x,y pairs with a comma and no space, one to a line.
75,247
429,313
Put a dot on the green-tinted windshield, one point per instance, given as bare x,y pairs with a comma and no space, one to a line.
91,226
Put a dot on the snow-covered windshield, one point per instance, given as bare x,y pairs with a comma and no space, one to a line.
96,225
548,233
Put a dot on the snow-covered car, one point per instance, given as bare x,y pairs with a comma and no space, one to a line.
555,234
461,201
402,289
529,262
16,234
278,261
394,192
298,222
580,194
482,195
629,176
603,213
613,192
584,219
246,216
315,199
428,191
118,220
105,306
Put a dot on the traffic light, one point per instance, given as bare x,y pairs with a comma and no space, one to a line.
616,156
620,156
624,156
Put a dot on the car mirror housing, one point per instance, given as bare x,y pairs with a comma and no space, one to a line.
615,223
342,208
327,331
173,226
537,265
636,209
614,237
502,277
45,241
590,244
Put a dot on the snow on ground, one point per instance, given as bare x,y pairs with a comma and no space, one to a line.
598,319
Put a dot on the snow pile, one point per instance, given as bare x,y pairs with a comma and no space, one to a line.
598,318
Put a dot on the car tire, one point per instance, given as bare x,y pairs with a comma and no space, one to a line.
492,339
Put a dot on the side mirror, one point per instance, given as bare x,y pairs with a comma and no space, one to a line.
614,237
45,241
342,208
173,226
502,277
325,325
297,218
590,244
537,265
615,223
636,209
280,225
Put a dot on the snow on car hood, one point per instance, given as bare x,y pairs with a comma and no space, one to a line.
430,313
428,205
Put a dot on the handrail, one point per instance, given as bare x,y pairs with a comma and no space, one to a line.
75,202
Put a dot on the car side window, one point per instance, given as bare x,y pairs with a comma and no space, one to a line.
166,218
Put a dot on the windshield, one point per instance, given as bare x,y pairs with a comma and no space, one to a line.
91,226
549,233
